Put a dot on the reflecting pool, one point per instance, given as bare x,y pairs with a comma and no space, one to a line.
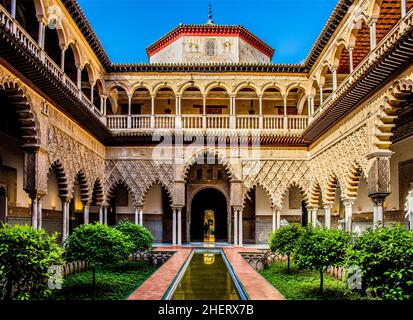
206,278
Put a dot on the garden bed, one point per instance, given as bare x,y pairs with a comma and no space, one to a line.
112,282
304,284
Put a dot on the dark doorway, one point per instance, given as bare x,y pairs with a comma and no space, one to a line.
212,200
166,218
304,218
3,205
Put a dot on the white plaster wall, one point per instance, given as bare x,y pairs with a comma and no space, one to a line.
249,54
170,54
363,203
153,201
192,49
13,157
403,151
285,210
262,203
51,200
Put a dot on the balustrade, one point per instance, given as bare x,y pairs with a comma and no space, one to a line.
12,26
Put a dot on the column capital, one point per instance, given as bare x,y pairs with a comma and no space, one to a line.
348,202
327,206
378,200
66,199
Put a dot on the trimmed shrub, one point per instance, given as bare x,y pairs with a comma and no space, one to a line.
139,235
98,244
319,248
385,257
283,240
25,256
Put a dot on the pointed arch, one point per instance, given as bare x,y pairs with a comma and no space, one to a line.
298,185
315,194
331,189
97,193
207,153
18,97
84,187
61,177
110,189
263,187
151,185
353,181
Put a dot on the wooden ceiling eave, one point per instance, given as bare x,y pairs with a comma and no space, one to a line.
34,70
397,57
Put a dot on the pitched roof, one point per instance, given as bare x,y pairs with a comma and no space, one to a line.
210,30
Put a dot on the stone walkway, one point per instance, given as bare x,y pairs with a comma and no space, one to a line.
155,287
254,284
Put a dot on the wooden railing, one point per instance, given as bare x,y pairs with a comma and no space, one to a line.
12,26
190,121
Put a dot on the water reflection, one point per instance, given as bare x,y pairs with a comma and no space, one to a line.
206,278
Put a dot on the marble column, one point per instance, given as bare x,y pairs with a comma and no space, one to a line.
373,36
240,229
274,220
141,216
62,59
403,8
34,209
105,215
174,227
235,227
378,211
39,214
137,216
321,95
13,8
348,213
100,215
314,216
351,61
285,111
334,72
260,124
86,214
410,209
327,215
278,219
179,236
79,77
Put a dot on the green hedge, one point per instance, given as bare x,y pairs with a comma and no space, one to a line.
139,235
25,256
385,257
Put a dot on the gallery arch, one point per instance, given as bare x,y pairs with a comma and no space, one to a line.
157,213
209,216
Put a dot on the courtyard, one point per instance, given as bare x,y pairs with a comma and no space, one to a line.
210,166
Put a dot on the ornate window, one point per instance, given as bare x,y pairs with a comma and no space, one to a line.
210,48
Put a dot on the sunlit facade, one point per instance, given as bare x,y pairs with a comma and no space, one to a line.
209,141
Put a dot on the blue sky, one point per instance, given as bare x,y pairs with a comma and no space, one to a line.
126,27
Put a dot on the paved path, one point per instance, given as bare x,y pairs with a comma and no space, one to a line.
155,287
256,286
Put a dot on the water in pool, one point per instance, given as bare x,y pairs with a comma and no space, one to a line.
206,278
